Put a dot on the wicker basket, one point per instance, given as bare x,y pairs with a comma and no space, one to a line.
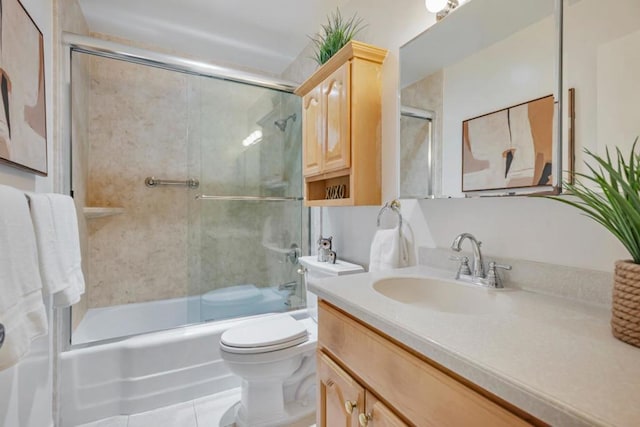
625,318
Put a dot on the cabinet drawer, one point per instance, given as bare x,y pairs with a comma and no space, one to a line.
422,393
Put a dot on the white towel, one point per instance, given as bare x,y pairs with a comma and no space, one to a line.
391,249
21,307
56,225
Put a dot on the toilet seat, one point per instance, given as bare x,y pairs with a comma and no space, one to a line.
264,335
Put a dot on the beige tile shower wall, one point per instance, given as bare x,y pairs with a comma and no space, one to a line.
137,128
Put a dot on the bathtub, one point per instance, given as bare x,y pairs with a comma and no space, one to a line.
105,323
145,372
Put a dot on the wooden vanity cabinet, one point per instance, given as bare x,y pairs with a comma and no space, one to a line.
341,128
342,401
393,386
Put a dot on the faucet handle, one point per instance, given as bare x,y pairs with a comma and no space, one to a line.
463,269
493,265
493,279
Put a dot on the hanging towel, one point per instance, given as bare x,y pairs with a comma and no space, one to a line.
21,307
56,225
391,248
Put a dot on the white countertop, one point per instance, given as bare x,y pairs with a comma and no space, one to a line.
554,358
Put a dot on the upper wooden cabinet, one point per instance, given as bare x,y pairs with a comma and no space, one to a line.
341,122
312,131
336,150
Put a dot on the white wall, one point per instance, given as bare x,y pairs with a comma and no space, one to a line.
26,389
525,228
607,94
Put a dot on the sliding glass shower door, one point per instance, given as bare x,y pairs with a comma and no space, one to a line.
190,195
247,222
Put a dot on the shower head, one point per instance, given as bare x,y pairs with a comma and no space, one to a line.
282,123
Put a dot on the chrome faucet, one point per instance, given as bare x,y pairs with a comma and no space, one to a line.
491,279
478,263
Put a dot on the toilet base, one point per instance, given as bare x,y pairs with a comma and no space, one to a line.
293,411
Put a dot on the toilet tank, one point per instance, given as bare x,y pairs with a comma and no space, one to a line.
315,270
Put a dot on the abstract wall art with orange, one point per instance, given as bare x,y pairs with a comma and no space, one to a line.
510,148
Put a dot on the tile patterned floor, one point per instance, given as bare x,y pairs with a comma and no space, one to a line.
204,412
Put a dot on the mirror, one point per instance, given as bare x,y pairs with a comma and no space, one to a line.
416,160
601,56
480,75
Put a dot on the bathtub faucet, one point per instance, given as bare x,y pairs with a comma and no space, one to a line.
291,287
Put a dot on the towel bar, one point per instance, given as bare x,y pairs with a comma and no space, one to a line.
152,181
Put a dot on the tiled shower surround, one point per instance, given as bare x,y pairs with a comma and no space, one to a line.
144,121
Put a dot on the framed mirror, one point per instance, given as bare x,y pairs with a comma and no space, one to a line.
488,75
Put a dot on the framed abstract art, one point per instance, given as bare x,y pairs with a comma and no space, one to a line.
23,136
509,148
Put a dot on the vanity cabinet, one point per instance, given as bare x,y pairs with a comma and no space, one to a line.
341,128
344,402
392,385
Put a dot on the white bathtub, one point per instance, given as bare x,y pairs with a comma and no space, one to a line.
124,320
144,372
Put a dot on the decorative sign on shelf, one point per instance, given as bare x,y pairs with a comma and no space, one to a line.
336,192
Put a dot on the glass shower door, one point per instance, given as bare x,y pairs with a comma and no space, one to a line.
246,225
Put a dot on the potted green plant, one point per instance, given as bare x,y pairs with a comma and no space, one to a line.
610,195
336,33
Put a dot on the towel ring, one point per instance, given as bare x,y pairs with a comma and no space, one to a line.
394,206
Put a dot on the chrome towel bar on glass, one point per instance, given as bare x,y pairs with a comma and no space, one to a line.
245,198
394,206
152,181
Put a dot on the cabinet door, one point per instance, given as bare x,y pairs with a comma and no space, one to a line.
312,132
337,140
377,414
340,397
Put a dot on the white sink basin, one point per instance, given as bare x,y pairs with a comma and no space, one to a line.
442,296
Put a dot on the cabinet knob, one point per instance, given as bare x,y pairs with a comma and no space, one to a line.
364,419
349,406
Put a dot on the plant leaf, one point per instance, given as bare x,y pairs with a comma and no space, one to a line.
617,207
333,35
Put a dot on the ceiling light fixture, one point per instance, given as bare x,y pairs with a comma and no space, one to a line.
440,7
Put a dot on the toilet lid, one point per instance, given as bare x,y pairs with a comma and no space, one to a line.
264,334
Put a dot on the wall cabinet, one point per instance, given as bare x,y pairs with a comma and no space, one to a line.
386,384
341,122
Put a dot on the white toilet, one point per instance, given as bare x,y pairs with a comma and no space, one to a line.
275,357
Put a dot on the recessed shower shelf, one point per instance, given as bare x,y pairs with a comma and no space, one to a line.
101,212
